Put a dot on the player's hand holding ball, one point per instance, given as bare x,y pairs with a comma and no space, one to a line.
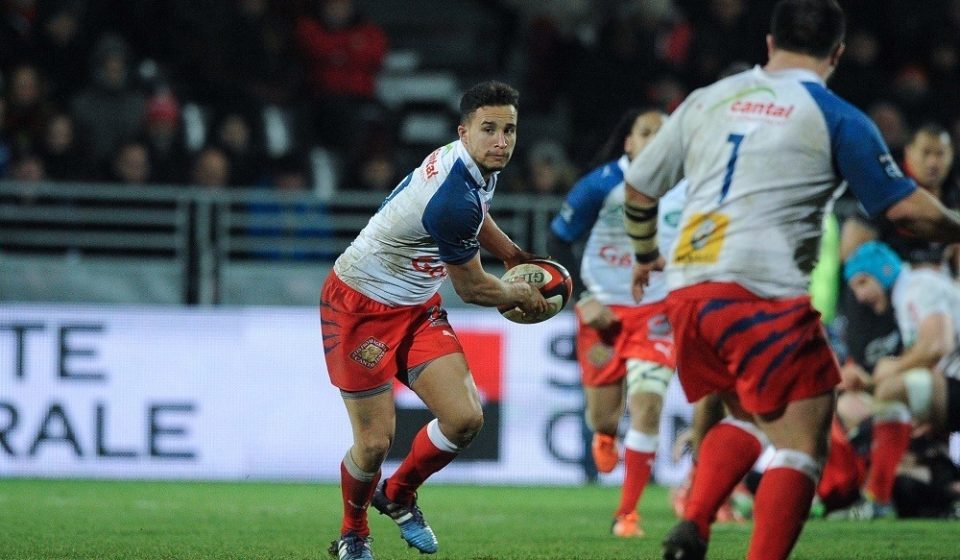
547,277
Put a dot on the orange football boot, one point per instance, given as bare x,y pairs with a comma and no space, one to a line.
605,453
628,526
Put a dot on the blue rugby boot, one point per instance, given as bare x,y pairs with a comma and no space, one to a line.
413,528
351,546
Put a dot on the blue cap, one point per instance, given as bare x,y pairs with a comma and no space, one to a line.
876,259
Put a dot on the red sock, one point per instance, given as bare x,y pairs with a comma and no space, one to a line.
637,465
356,497
423,460
890,442
779,512
726,455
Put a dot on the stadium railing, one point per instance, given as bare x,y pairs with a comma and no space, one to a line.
124,244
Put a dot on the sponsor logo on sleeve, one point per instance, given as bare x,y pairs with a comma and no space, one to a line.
890,166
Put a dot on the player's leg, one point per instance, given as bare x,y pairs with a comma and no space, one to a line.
361,363
786,491
727,452
918,394
373,419
445,385
646,383
447,388
604,408
602,376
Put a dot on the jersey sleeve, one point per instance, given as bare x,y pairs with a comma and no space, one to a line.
582,205
453,217
860,154
926,299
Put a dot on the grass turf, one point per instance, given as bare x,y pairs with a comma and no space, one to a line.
57,519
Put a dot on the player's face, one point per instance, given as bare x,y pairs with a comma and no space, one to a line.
490,136
929,157
868,291
644,129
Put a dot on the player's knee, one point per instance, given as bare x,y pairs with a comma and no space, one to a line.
891,390
465,427
603,421
647,377
647,412
373,448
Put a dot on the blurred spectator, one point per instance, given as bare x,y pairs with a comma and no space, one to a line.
5,152
293,222
606,79
547,53
28,168
719,40
945,74
63,45
235,136
17,33
911,92
63,155
109,111
130,165
892,124
862,76
342,53
548,171
27,109
377,172
163,136
211,168
264,58
289,175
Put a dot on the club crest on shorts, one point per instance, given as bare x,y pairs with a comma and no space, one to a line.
369,353
599,354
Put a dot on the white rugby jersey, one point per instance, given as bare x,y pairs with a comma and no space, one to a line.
765,154
594,207
919,293
432,217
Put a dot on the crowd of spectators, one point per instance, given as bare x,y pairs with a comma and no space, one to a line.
231,92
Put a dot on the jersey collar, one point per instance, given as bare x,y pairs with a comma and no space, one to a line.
474,169
799,74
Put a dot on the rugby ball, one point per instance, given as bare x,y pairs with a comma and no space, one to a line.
550,277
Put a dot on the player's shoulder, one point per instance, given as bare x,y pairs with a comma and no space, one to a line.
599,181
835,107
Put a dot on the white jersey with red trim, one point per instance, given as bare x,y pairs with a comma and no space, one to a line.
594,210
919,293
765,154
431,218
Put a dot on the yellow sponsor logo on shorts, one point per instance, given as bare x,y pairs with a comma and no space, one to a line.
701,239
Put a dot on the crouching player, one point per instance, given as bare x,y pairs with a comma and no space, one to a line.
920,385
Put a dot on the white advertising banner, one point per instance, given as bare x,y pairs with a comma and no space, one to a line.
242,393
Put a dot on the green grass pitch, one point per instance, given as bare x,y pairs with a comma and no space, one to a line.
54,519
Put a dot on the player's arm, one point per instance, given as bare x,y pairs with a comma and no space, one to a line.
923,215
651,174
499,244
871,173
475,285
640,221
935,339
853,233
